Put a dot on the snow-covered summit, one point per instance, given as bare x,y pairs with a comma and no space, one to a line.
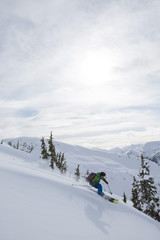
149,150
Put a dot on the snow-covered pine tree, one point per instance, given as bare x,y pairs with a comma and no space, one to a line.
152,206
143,182
17,146
44,153
52,152
136,194
61,162
86,175
58,159
77,173
147,192
124,198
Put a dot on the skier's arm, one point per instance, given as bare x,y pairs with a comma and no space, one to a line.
105,180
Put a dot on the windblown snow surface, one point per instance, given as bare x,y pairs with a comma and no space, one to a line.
37,203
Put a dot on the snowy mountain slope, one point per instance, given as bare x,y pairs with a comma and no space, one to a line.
155,157
88,159
150,150
39,204
120,167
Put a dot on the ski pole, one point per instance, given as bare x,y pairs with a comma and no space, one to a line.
109,188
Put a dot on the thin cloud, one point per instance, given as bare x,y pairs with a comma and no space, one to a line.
88,70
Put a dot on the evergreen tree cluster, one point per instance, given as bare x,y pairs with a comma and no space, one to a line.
57,159
144,192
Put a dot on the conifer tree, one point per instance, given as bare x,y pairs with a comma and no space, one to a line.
143,179
148,191
54,158
17,146
135,194
77,173
86,175
124,198
61,163
144,192
152,202
44,153
52,152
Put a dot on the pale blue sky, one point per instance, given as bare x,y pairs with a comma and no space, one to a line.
88,70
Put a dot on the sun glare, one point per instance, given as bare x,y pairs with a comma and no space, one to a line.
96,68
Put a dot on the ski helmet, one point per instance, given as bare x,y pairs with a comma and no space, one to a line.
103,174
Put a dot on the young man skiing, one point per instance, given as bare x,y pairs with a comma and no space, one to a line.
95,179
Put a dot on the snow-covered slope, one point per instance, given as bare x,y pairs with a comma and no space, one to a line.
37,203
120,165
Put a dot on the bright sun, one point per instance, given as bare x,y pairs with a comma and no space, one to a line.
96,67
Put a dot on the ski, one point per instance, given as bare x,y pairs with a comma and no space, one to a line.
108,198
105,196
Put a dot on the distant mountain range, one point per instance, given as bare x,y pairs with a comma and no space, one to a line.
150,150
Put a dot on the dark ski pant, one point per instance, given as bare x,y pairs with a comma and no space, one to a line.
99,186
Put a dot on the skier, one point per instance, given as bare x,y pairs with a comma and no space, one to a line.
95,179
